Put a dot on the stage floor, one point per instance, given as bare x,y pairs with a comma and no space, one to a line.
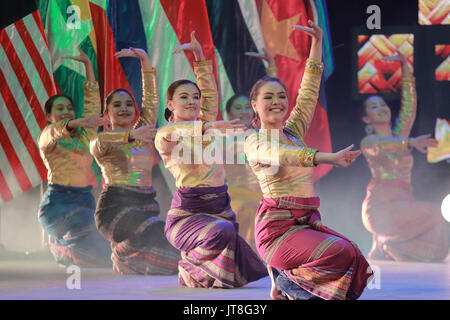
45,280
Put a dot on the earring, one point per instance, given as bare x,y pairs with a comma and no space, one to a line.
256,122
369,129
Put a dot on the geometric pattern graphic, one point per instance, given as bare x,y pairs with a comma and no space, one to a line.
443,70
376,75
434,12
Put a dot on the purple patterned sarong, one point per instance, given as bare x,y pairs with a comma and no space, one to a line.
202,225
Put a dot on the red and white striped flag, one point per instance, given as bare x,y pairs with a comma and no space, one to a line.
26,82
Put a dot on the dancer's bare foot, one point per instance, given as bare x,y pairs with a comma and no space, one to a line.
289,297
276,294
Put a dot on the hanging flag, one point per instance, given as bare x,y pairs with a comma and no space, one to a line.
232,38
26,82
291,49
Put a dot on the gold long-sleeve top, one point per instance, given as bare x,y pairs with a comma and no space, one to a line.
390,158
124,162
66,152
284,167
182,145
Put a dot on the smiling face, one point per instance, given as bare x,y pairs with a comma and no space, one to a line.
271,104
185,103
241,109
62,108
121,110
377,111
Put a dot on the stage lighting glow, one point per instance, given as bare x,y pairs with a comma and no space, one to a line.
445,208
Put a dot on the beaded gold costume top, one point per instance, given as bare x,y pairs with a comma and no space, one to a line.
390,158
125,162
66,152
182,144
284,167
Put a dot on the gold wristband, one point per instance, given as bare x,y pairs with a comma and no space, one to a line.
307,157
314,67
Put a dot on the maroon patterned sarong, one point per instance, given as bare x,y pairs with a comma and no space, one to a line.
202,225
290,237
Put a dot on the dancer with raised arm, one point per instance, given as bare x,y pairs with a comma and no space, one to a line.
201,223
66,211
127,212
305,259
403,229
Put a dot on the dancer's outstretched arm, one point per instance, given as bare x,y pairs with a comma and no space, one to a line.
271,69
260,149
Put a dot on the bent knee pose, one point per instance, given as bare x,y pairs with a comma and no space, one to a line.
402,228
201,223
127,212
305,259
66,211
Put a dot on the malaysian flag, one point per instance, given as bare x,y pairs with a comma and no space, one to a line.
26,82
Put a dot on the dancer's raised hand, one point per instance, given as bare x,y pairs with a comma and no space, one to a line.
135,53
406,71
398,57
315,32
193,46
83,58
264,56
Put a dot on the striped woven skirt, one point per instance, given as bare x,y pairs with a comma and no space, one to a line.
290,237
128,218
67,215
202,225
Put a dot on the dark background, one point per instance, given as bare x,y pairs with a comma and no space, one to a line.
343,190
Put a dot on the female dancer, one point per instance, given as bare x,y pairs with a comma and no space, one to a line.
127,212
201,223
66,211
243,186
312,260
402,228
